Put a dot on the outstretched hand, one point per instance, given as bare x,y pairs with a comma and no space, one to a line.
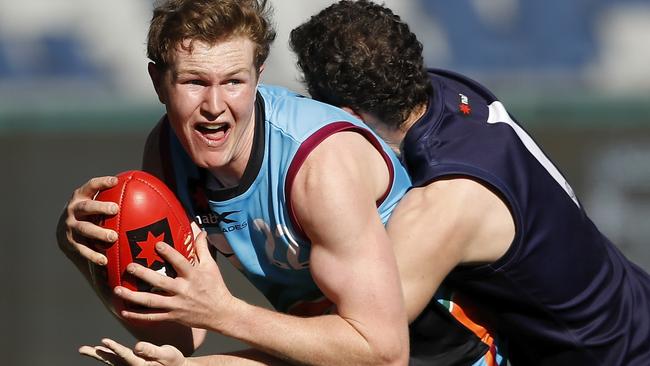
143,354
196,297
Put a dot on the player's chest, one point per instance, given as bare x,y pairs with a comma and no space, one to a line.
256,233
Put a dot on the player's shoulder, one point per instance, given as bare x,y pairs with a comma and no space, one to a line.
268,90
448,79
297,114
343,151
162,153
342,166
156,131
440,194
154,147
459,107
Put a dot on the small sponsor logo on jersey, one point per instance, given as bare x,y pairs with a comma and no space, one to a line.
142,243
208,219
236,227
463,105
221,220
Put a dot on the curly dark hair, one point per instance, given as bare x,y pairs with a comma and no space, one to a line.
360,55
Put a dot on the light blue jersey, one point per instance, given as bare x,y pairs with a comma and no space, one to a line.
252,224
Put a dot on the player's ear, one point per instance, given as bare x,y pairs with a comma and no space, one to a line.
156,75
260,70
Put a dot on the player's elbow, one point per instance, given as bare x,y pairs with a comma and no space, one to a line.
393,352
380,349
397,357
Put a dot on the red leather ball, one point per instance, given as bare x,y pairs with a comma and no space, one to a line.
149,212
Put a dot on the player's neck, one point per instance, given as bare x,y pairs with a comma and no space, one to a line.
412,118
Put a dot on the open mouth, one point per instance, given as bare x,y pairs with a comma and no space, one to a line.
213,131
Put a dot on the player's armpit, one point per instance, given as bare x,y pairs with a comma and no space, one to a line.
424,253
477,219
446,223
352,259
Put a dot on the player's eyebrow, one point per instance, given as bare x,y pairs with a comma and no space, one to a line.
189,72
198,72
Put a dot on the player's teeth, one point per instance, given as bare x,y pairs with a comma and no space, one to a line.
212,127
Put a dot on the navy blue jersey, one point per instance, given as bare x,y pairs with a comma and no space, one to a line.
563,293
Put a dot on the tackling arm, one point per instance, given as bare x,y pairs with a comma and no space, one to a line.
441,225
352,259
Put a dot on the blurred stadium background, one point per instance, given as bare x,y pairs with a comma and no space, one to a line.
76,102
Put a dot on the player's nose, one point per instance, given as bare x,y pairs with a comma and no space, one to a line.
213,101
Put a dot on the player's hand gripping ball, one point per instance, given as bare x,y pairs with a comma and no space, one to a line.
148,213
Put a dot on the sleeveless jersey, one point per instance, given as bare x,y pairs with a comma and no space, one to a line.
252,224
562,294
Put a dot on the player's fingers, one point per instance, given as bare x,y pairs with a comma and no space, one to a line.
146,316
70,242
151,277
94,185
101,353
123,352
171,355
166,354
90,351
146,350
173,257
147,299
92,232
201,245
89,207
90,255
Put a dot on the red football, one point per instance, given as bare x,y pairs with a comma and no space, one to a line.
149,212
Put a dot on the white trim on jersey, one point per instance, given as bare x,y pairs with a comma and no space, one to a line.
498,114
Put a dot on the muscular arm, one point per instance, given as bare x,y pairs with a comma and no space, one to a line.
439,226
352,261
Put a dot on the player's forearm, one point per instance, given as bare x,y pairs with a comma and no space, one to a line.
249,357
321,340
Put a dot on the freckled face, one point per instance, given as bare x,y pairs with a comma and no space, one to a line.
209,95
